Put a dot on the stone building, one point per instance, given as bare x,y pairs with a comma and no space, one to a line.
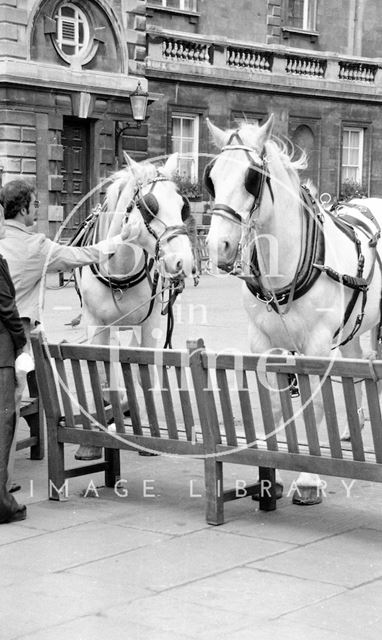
67,70
315,64
69,67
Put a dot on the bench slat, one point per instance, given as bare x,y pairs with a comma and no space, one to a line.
131,397
246,408
331,417
353,418
226,407
112,373
97,392
65,393
81,393
309,415
185,400
288,412
267,414
147,387
375,417
168,405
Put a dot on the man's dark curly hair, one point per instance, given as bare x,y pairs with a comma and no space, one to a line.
14,196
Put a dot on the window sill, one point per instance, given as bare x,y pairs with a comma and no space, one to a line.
193,16
287,31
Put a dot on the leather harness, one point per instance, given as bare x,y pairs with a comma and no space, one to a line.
312,263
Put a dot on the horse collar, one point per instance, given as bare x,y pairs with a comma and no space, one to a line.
309,269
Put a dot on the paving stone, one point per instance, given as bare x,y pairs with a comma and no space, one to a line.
338,613
166,616
348,559
282,630
262,594
74,546
56,598
103,627
184,558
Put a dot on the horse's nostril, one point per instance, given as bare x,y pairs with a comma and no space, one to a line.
179,265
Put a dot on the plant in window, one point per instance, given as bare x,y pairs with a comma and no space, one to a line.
187,186
352,189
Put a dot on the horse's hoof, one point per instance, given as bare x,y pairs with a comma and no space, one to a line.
88,453
264,491
307,496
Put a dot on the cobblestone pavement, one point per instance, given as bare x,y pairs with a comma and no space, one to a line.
135,566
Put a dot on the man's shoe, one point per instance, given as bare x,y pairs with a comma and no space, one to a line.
16,516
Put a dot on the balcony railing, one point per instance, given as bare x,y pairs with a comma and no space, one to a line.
218,58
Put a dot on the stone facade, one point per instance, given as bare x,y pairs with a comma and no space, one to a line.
316,80
45,93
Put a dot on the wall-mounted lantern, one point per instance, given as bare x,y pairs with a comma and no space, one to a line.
138,102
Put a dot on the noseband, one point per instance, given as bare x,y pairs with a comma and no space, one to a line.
255,178
149,207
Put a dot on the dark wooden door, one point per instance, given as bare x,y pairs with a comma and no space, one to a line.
75,170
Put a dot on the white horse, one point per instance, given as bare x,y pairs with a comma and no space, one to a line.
293,301
132,287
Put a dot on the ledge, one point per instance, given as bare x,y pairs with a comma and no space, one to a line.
49,76
313,35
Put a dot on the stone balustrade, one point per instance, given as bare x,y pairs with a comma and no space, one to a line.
186,51
220,58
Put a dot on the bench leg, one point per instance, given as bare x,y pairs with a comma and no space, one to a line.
113,469
36,422
214,491
267,479
58,487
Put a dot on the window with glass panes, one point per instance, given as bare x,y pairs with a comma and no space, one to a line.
185,141
302,14
72,29
185,5
352,154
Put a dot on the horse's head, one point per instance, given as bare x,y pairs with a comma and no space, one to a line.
154,214
235,179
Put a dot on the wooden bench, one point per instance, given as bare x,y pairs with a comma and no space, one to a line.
32,412
71,390
217,407
242,429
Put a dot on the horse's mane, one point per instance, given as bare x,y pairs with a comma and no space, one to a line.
123,185
119,195
277,150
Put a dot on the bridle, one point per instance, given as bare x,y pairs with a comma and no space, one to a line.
148,206
256,176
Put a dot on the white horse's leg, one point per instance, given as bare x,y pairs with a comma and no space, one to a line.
354,350
259,343
97,336
308,486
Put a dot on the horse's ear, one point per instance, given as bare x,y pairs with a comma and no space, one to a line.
218,135
131,164
264,132
171,166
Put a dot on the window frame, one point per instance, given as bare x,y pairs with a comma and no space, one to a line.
89,49
162,4
195,117
361,154
79,18
305,29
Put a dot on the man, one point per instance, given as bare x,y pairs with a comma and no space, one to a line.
12,342
30,255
